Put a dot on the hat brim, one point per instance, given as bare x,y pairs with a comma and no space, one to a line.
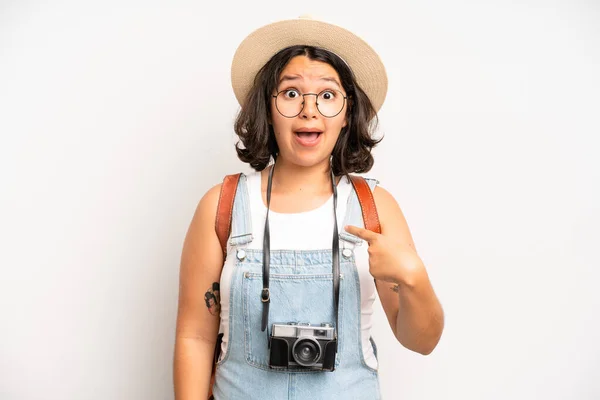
258,47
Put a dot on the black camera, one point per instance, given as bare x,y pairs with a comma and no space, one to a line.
303,346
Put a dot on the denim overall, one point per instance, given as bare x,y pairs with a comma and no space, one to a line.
301,291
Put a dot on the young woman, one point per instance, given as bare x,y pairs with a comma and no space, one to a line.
300,272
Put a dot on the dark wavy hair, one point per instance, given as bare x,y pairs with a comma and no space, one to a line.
257,144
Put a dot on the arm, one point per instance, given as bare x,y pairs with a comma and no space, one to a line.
409,301
410,304
197,324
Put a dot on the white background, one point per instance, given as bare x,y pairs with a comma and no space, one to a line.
116,118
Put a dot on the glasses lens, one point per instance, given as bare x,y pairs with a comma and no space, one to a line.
289,102
330,102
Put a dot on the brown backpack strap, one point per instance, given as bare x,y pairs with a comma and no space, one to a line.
225,209
367,203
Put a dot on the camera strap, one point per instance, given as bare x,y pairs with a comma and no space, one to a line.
265,294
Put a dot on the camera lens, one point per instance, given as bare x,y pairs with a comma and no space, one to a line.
306,351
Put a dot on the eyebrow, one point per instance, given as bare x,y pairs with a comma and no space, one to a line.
322,78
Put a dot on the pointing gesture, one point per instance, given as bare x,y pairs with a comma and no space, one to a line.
364,234
389,260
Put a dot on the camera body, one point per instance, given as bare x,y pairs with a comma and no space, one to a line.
303,346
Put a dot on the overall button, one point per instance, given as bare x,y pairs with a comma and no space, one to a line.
240,254
347,253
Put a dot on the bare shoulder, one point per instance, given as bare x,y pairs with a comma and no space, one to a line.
391,217
201,232
383,198
208,203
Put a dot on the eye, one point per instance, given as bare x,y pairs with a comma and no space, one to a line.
291,93
328,95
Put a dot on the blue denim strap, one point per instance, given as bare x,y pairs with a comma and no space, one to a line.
354,213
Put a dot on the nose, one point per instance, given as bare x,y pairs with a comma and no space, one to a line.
309,110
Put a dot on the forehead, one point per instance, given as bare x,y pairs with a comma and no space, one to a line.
303,68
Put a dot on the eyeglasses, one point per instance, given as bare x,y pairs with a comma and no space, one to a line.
290,102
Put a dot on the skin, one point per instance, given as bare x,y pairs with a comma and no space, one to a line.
301,182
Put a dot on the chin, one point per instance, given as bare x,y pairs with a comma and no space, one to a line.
309,161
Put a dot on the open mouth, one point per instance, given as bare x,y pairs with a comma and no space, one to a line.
309,135
308,138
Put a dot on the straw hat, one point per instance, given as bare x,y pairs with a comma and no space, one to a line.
258,47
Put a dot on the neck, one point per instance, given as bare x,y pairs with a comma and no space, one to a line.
293,178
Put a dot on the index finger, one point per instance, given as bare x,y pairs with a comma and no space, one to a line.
362,233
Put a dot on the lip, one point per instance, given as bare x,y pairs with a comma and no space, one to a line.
307,143
308,130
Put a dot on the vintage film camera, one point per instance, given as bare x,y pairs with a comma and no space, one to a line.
303,346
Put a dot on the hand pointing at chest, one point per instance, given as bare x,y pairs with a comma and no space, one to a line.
389,260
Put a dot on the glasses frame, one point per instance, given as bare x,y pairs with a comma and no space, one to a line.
304,102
